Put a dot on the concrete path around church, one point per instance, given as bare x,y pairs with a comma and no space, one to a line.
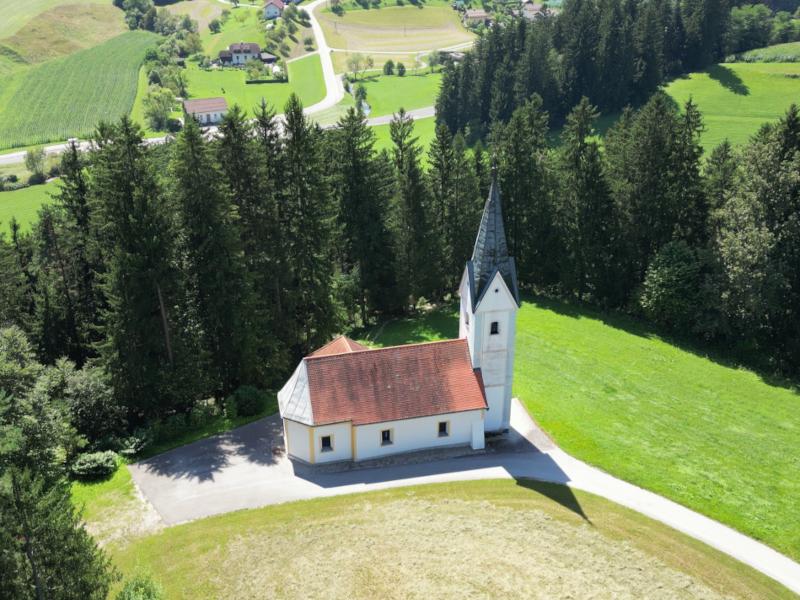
246,468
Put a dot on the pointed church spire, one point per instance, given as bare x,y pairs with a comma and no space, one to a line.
490,253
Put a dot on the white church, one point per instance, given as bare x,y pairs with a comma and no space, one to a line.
347,402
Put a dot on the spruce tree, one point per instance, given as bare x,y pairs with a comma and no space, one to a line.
524,170
248,158
363,192
309,213
587,217
211,256
148,349
418,268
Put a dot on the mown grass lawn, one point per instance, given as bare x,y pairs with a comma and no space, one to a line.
737,98
424,130
24,204
716,438
305,79
386,94
467,539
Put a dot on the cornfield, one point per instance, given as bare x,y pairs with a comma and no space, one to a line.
68,97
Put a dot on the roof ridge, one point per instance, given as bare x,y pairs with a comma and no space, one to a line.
310,357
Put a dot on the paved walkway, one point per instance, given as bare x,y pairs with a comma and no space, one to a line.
246,468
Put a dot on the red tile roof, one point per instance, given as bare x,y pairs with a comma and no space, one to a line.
340,345
388,384
278,3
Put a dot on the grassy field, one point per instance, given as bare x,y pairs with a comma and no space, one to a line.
58,32
305,79
407,58
778,53
470,539
202,11
386,94
24,204
68,97
424,129
719,439
242,26
394,29
16,13
737,98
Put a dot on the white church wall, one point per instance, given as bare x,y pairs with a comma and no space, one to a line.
495,398
410,435
340,437
296,437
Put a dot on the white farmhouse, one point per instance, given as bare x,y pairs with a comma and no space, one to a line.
346,402
206,111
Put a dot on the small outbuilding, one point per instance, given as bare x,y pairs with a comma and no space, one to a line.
273,9
206,111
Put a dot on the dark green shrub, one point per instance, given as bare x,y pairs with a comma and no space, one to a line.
141,587
94,465
37,178
247,401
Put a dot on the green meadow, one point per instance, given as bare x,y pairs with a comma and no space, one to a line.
715,437
736,99
24,204
424,130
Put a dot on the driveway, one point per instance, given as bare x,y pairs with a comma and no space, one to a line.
247,468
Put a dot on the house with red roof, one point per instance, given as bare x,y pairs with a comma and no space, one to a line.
273,9
348,402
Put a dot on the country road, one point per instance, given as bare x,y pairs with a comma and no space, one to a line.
334,92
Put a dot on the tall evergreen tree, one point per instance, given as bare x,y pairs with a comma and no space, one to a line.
363,189
524,169
588,219
418,269
306,199
211,256
147,350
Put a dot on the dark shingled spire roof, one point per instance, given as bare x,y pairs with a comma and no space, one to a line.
491,250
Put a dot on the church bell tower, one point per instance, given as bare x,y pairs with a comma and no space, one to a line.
488,312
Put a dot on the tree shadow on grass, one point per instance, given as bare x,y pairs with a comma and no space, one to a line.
719,355
728,79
